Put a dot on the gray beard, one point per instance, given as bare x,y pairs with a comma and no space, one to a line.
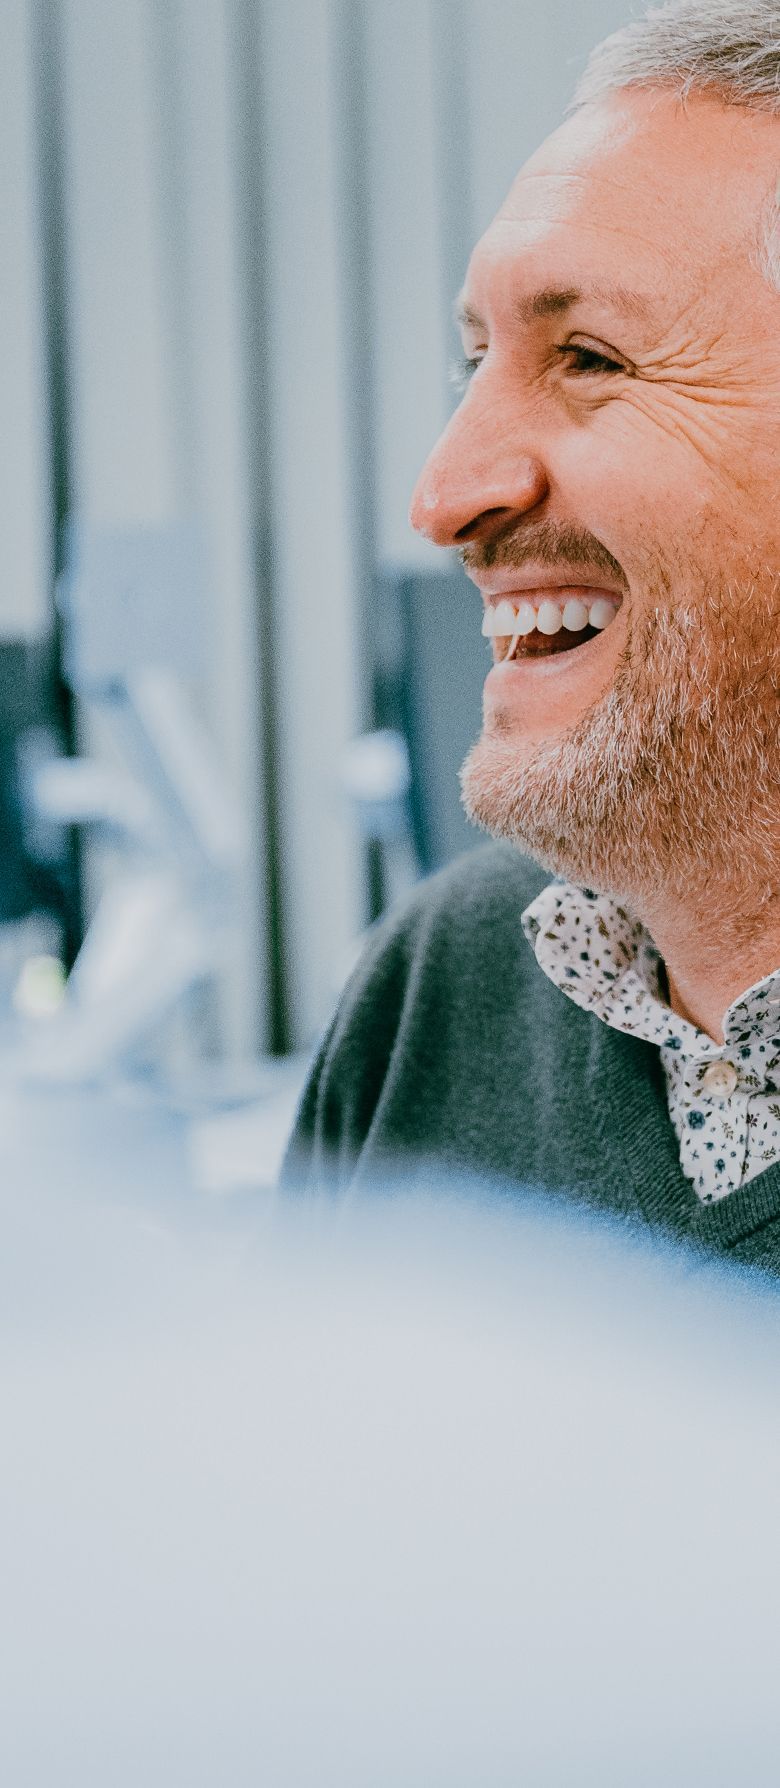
672,780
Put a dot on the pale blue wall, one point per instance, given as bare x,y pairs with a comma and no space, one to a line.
267,208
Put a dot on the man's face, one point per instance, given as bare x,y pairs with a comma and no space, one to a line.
619,442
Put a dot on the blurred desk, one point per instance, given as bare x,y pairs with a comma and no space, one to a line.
408,1494
127,1144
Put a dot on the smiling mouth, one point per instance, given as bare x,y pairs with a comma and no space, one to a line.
542,623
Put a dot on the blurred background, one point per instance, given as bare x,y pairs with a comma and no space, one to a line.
235,689
483,1497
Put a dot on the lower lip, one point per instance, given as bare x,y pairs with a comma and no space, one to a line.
559,664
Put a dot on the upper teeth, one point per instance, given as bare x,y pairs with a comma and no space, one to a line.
549,615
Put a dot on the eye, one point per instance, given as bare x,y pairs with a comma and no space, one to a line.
462,370
590,360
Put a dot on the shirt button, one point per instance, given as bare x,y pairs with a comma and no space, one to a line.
719,1080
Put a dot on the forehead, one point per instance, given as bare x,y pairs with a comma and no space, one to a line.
643,191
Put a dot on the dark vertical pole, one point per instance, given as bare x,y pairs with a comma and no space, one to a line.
52,213
349,75
249,160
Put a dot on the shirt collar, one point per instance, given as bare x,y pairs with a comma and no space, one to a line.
590,946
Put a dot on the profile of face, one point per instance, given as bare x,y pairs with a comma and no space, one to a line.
613,473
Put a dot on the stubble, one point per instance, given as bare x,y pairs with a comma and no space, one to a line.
672,779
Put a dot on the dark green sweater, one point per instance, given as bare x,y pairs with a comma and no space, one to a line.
450,1045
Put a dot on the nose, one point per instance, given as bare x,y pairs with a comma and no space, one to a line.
477,482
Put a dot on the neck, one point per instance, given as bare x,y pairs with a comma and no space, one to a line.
713,952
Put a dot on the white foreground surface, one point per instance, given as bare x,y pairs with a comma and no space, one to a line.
405,1495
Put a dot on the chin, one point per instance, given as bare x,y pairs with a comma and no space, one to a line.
501,790
587,828
670,780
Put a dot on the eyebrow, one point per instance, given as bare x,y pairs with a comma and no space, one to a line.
553,301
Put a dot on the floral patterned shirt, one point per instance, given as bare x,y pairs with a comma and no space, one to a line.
724,1099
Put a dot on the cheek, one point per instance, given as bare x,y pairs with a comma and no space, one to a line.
633,486
674,493
691,455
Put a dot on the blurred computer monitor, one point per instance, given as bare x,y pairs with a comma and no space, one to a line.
432,663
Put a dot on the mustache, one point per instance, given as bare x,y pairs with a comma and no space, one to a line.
541,543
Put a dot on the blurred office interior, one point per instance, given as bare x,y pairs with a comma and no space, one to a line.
233,231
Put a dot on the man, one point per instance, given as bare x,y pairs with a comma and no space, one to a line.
611,481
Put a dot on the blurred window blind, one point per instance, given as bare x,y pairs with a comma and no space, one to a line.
25,513
265,209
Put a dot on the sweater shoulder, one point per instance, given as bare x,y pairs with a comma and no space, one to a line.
481,892
493,880
451,931
467,914
437,965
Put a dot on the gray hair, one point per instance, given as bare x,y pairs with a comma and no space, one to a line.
730,48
